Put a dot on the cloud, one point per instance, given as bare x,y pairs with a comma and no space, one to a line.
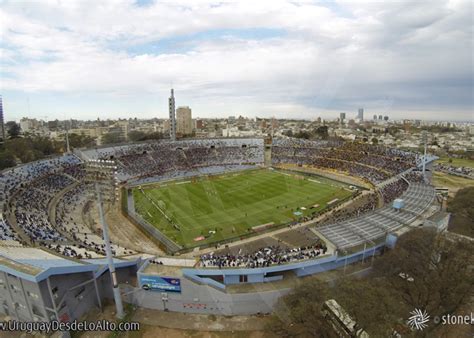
320,56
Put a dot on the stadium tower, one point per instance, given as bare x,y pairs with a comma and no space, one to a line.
172,116
2,124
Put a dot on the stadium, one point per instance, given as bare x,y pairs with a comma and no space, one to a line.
209,226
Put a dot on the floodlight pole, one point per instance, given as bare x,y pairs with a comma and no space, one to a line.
363,255
110,260
100,170
68,149
425,141
345,261
373,256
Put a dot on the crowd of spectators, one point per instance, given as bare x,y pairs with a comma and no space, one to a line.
6,231
12,179
26,193
374,163
158,158
393,190
364,204
453,170
29,189
78,252
72,201
414,177
31,206
272,255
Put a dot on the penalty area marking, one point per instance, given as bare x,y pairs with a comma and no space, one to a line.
182,182
315,181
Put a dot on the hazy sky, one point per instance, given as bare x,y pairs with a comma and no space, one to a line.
107,59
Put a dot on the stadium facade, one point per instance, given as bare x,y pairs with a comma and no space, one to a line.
36,285
53,268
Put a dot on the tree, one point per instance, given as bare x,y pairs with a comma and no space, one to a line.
80,141
375,141
322,132
32,148
53,125
441,282
462,213
22,148
303,134
136,135
298,314
373,306
392,130
440,271
44,145
13,129
7,159
155,136
112,137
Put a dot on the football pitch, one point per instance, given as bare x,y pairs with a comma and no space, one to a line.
211,209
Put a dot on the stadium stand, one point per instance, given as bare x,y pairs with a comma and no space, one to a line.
377,224
29,189
41,204
374,163
160,158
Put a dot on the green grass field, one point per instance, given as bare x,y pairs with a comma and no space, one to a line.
232,204
452,182
457,162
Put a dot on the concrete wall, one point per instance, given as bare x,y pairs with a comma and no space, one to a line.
202,294
73,294
205,299
21,299
64,296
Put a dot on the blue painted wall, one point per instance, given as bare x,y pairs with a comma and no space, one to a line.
258,275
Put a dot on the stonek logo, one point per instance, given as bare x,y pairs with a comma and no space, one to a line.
418,319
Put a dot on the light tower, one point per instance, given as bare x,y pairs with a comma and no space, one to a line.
2,124
172,116
103,174
68,149
424,138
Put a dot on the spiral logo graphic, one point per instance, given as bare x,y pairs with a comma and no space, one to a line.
418,319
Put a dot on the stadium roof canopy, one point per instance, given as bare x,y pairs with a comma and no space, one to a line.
35,264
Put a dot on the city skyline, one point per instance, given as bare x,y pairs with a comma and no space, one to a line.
268,59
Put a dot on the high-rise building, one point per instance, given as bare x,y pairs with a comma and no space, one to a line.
124,127
184,121
199,124
172,116
360,114
342,117
2,122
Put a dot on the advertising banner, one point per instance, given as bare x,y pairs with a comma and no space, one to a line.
157,283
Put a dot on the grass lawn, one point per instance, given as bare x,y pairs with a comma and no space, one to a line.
232,204
452,182
457,162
